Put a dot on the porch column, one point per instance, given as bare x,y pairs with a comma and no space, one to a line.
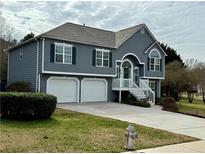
120,92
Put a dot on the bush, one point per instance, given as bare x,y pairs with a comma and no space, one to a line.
159,101
169,104
19,87
27,106
133,101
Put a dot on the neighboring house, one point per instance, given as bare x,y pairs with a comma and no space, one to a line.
78,63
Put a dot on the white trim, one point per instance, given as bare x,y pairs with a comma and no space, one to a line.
149,47
43,53
156,51
132,54
8,68
94,79
155,58
37,50
84,74
159,94
64,78
149,77
39,82
132,68
154,39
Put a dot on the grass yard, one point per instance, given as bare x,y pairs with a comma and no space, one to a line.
69,131
197,107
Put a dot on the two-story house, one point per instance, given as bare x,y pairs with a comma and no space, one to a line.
78,63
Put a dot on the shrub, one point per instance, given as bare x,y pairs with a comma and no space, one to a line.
19,86
26,106
142,103
169,104
133,101
159,101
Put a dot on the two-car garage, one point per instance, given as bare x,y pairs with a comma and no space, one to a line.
68,89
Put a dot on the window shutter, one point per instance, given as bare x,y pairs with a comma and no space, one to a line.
73,55
110,60
160,64
94,57
148,63
52,53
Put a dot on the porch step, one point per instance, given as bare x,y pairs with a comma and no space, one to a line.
138,93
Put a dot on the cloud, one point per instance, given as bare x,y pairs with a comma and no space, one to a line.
180,24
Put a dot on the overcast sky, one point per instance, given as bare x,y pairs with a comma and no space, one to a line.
179,24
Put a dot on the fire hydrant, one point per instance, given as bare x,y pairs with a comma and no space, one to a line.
130,137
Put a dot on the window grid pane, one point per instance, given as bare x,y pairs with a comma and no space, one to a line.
67,50
99,62
59,58
59,49
105,62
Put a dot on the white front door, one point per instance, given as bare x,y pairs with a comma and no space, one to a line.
93,90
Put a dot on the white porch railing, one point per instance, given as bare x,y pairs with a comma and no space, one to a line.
128,84
144,85
122,83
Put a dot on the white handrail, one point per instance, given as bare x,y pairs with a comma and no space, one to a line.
143,84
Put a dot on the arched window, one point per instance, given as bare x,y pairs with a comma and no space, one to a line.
155,60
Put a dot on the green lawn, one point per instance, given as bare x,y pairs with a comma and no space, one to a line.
197,107
69,131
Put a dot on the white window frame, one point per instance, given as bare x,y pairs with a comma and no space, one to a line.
102,58
155,60
64,46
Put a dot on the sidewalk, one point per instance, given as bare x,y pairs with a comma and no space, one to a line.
190,147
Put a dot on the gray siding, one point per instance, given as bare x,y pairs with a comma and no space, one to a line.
137,44
83,64
25,69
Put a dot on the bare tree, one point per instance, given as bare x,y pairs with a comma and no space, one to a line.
6,41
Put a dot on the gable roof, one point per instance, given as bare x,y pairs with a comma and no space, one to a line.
83,34
89,35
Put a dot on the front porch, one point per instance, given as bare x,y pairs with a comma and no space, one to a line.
129,72
140,92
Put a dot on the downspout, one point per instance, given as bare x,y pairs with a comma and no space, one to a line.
37,74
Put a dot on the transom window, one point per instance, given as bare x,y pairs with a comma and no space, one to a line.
63,53
102,58
155,59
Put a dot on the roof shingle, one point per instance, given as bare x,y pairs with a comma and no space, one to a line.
89,35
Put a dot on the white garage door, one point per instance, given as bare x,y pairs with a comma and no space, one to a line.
93,90
65,89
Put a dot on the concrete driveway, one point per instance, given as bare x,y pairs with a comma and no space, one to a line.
152,117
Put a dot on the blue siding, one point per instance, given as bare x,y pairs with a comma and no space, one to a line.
83,64
25,69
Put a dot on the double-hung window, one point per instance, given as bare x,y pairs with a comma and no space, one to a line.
102,58
155,59
63,53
